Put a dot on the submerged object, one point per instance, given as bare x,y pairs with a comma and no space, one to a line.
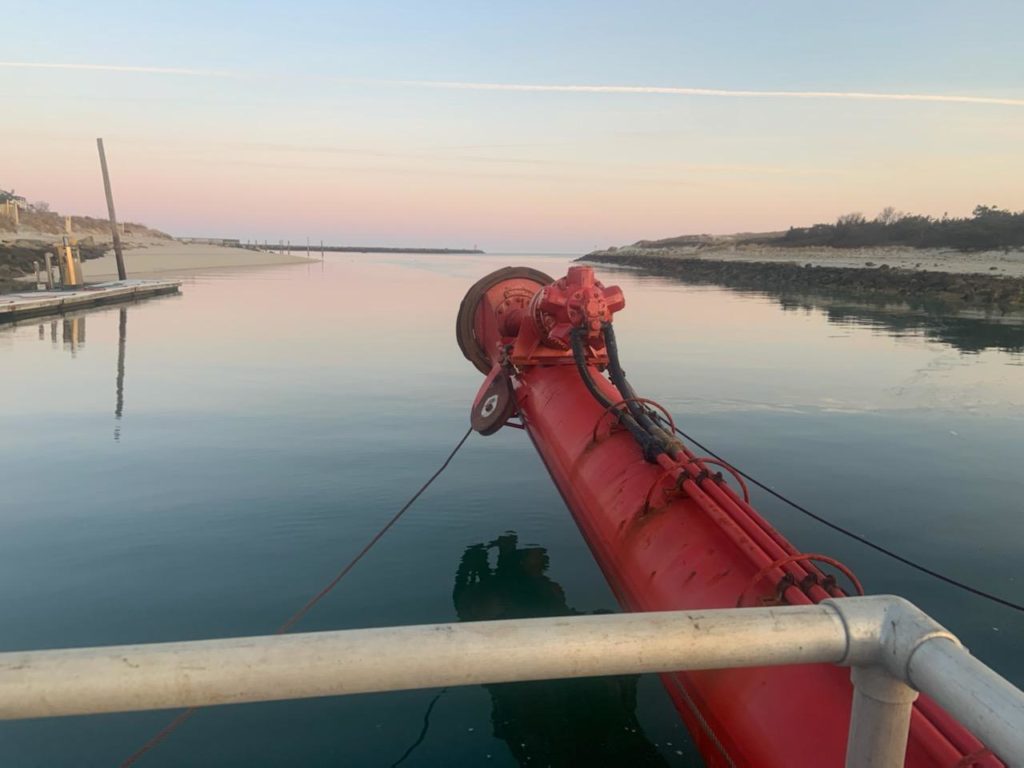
667,529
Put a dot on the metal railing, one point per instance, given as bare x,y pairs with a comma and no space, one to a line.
895,651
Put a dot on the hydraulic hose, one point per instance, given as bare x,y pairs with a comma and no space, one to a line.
651,447
740,511
665,439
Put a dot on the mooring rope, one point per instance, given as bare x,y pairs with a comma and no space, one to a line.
296,617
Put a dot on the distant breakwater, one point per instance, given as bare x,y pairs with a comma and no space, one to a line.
362,249
940,289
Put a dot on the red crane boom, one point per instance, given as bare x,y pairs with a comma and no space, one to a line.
665,526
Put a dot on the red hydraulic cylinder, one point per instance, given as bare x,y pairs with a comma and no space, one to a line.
665,530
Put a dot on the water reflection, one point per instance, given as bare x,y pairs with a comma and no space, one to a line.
968,330
965,331
73,335
73,339
589,721
122,333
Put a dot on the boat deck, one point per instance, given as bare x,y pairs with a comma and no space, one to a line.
15,306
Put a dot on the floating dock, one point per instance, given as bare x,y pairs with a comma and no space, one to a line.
15,306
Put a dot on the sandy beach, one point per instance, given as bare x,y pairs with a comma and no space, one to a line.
147,252
174,259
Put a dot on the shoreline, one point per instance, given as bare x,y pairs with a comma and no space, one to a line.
142,259
1008,263
967,281
183,260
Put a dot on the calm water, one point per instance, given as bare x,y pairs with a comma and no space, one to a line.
266,422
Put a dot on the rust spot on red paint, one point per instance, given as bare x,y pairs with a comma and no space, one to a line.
719,576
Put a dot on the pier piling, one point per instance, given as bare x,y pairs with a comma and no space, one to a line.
118,253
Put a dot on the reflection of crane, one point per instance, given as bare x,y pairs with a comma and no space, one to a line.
587,721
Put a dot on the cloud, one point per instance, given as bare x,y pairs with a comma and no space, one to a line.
538,87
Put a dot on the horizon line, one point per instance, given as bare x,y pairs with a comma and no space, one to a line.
535,87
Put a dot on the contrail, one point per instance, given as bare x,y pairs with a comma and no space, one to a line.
681,91
539,87
123,69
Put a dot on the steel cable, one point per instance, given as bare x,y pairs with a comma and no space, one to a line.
645,416
857,537
185,715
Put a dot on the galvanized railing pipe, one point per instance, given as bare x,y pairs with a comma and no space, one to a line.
894,648
972,693
232,671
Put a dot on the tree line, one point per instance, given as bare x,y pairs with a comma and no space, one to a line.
988,228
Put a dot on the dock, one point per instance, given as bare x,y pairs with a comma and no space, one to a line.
15,306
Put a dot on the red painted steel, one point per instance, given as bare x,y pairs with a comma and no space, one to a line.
671,534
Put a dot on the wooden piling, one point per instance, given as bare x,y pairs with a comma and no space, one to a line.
67,263
48,258
118,253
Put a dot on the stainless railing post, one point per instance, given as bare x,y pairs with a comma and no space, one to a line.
879,720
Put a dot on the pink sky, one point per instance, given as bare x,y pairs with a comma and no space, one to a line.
506,170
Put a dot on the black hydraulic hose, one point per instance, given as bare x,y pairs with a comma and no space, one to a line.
651,447
618,376
579,355
665,439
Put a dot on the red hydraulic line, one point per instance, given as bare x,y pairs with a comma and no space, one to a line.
749,513
834,591
744,504
736,531
761,549
731,470
798,570
774,552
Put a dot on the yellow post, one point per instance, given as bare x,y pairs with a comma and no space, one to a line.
70,274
